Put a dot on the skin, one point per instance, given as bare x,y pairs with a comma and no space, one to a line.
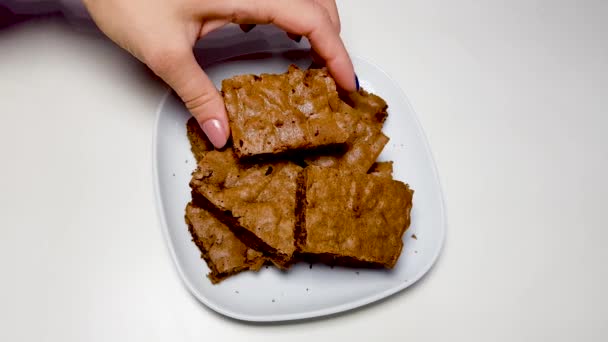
162,34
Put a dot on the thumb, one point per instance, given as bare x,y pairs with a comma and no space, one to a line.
182,72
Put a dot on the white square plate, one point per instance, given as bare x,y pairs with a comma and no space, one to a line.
302,292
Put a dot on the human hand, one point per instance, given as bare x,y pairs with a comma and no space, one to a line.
162,34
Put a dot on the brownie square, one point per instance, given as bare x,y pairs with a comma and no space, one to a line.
351,218
297,110
365,115
224,253
257,201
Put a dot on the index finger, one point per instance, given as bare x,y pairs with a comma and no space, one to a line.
302,17
332,10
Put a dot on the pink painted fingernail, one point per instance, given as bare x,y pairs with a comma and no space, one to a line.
214,131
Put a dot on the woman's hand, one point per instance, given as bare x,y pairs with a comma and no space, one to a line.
162,33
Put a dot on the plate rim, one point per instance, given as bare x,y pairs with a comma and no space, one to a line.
363,301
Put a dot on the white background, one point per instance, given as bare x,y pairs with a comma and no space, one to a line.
513,96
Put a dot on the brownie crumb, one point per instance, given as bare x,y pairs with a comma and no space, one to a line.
237,292
273,300
414,237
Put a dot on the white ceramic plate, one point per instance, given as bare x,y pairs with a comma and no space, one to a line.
302,292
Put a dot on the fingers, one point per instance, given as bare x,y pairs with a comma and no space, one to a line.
300,17
329,5
332,10
212,25
182,73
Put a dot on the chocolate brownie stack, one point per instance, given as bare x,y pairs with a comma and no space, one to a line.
299,179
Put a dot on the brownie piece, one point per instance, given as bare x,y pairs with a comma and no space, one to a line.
373,108
366,140
383,169
351,218
271,114
257,201
199,144
365,148
224,253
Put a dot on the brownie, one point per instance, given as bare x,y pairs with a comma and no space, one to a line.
199,144
271,114
351,218
364,149
373,108
383,169
224,253
257,201
253,202
365,115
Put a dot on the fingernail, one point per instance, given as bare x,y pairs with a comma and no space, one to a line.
214,131
247,27
357,82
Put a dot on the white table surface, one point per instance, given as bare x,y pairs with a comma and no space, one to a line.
513,96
